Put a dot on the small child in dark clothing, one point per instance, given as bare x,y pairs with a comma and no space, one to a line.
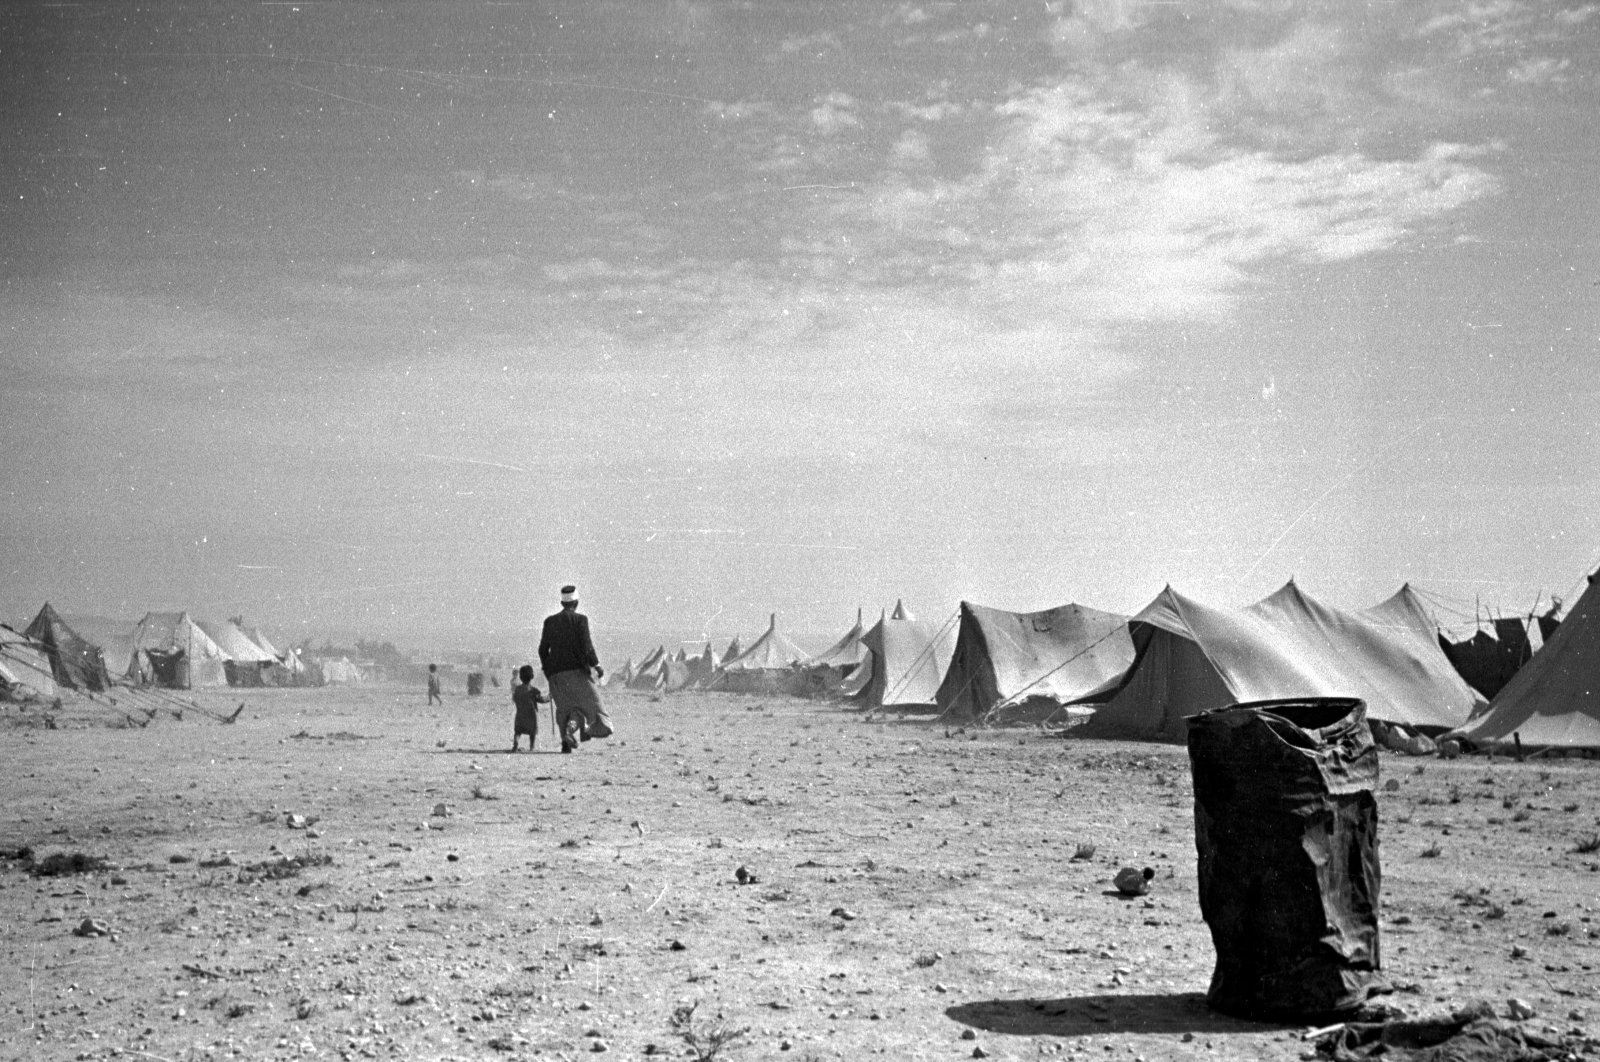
526,696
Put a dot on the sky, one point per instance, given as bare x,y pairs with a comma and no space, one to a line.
389,319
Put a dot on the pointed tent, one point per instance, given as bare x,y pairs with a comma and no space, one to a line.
900,611
733,651
703,667
113,637
1192,657
24,666
909,659
1058,655
75,662
245,659
1554,701
766,667
171,650
676,673
845,653
649,674
827,673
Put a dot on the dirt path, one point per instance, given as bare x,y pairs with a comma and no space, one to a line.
909,893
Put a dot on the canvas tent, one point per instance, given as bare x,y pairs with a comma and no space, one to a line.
75,662
1056,656
340,672
703,667
1554,701
909,658
24,666
828,673
1192,657
649,674
768,666
245,659
260,639
113,637
171,650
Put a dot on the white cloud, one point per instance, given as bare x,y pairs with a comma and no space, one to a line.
834,112
1539,71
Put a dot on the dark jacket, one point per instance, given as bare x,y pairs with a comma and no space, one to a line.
565,643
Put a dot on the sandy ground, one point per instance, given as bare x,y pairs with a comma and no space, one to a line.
909,888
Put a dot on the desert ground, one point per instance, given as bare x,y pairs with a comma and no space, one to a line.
345,873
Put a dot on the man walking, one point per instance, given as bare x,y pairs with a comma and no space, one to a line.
567,657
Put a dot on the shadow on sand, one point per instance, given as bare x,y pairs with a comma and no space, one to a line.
498,750
1100,1015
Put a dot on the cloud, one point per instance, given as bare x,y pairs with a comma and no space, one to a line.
1542,71
834,112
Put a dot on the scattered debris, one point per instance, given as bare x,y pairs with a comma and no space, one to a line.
60,864
92,927
280,868
1132,882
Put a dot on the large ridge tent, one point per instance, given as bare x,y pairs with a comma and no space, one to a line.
1554,700
245,659
768,666
24,665
171,650
909,658
1059,655
1192,657
75,662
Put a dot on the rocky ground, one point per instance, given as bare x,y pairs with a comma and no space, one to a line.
345,873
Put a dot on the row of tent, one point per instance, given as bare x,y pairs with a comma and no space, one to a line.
166,649
1139,677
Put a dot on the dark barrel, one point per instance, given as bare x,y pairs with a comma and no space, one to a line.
1286,826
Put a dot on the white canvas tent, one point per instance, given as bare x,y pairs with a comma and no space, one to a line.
1058,656
170,649
768,666
1193,657
909,659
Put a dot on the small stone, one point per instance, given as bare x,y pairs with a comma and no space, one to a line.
599,1047
979,1052
1519,1009
968,1034
92,927
1518,951
440,809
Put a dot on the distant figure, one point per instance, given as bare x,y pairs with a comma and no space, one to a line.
567,656
526,696
433,685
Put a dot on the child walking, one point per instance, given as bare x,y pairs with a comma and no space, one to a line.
526,696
